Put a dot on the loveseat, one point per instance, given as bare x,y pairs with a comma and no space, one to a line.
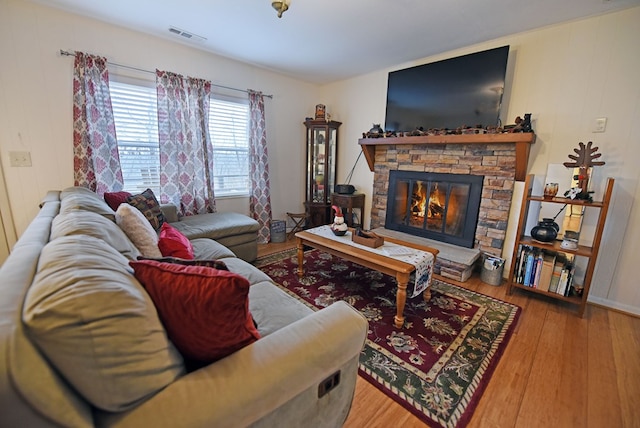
69,279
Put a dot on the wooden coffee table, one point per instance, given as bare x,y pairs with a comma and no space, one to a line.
387,265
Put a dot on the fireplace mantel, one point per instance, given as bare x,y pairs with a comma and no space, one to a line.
522,141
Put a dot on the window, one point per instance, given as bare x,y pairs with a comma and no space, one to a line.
136,115
229,133
136,118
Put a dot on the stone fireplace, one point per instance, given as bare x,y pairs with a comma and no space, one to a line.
496,163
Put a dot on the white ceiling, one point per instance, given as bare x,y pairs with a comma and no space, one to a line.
323,41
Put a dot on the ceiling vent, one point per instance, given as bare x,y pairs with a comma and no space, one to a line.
187,35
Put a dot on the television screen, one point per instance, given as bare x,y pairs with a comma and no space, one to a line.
462,91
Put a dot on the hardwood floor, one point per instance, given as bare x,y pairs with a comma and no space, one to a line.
558,370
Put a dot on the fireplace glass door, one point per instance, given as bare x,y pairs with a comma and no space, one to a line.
438,206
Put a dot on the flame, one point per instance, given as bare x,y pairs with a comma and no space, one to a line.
434,202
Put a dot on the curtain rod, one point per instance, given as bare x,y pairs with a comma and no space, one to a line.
67,53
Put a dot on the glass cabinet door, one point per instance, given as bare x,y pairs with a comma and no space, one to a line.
318,166
331,163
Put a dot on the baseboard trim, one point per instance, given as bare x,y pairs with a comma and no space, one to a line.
614,306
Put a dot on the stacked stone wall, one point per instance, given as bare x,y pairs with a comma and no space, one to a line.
496,162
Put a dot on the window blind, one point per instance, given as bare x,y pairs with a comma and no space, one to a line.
229,133
136,118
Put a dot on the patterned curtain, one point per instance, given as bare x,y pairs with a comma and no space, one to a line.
260,197
186,158
96,163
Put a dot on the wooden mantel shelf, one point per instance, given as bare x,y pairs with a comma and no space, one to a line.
522,140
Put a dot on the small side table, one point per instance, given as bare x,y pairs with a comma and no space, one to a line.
299,222
348,203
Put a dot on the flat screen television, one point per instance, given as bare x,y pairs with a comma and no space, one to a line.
456,92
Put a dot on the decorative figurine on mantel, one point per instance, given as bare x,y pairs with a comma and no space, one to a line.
583,161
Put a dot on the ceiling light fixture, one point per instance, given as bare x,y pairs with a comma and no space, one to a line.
280,6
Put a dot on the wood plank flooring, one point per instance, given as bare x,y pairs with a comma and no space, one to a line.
558,370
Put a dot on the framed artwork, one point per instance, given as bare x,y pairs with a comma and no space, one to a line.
320,111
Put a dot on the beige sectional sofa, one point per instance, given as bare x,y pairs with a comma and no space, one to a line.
128,373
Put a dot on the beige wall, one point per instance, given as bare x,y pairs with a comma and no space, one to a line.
566,76
35,100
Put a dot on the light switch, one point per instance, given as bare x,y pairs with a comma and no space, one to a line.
20,158
600,124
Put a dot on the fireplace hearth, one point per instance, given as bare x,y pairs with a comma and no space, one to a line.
439,206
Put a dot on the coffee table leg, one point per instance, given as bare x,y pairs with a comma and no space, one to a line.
401,299
300,258
427,293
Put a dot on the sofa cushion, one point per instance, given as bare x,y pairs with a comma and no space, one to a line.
83,199
204,248
172,243
114,199
205,310
93,224
139,230
148,205
247,270
273,309
97,325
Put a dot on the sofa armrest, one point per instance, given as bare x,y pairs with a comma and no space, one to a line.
51,196
249,384
170,212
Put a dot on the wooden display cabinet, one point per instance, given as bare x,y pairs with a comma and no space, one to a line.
554,247
322,148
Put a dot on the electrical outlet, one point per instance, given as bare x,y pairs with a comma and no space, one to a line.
20,158
600,124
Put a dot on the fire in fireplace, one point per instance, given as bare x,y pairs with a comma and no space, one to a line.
437,206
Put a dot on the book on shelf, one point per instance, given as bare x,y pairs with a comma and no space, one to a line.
520,263
548,263
537,270
566,277
528,269
557,271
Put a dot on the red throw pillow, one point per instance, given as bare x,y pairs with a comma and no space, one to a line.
172,243
114,199
205,310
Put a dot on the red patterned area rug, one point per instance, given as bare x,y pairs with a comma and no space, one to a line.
439,364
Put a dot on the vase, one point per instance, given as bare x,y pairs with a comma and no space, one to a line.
545,231
550,190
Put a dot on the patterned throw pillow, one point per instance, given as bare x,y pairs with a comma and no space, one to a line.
205,311
216,264
148,205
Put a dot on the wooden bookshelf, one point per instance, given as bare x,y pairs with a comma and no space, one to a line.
590,252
